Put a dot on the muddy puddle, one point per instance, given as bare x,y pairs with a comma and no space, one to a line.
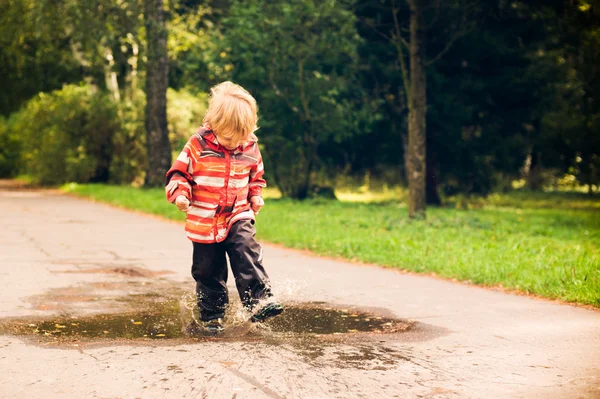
157,312
168,320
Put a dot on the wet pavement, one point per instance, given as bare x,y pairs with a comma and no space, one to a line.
95,302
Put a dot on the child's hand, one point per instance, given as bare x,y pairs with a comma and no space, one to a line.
256,203
183,204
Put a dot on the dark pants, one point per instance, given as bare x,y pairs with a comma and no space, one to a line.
209,269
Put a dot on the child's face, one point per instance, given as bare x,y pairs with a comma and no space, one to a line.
230,143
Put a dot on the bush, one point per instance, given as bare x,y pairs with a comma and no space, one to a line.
185,112
66,135
9,150
128,162
78,134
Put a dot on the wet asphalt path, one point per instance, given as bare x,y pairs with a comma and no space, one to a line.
59,255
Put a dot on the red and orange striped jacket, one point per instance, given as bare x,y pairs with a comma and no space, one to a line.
218,182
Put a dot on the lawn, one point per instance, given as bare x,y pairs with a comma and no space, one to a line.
545,244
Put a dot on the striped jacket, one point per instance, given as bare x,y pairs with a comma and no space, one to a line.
218,182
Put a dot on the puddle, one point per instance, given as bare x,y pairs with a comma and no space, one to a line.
116,297
163,323
313,318
166,320
155,312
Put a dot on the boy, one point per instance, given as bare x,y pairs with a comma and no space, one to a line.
217,180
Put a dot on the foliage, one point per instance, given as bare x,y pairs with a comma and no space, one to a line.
546,245
185,112
484,106
570,138
82,118
299,59
10,145
66,135
516,98
194,45
34,53
128,145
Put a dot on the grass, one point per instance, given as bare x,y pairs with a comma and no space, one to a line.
544,244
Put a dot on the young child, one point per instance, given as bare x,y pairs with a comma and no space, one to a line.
217,180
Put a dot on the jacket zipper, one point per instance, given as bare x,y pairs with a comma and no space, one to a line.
227,172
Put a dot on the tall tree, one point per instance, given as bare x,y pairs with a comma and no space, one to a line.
34,51
490,90
157,80
298,57
577,122
423,47
417,110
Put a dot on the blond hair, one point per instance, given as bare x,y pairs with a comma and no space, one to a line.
232,111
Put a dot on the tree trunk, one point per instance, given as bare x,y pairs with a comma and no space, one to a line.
432,181
157,136
110,76
406,152
417,109
534,178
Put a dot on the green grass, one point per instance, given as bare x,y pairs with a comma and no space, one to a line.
545,244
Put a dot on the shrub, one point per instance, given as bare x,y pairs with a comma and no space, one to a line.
185,112
128,162
78,134
66,135
9,150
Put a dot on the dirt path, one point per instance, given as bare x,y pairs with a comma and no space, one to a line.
64,261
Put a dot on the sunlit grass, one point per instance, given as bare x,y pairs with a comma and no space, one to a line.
271,193
546,244
385,194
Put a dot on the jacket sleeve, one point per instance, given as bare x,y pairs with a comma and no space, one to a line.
179,178
256,181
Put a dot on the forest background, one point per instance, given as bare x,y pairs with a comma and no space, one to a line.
512,90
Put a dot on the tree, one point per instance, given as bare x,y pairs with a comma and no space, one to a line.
573,124
490,90
422,16
34,52
299,59
157,72
417,109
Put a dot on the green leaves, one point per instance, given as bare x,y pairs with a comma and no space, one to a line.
299,59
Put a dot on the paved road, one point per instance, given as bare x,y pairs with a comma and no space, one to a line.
61,255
